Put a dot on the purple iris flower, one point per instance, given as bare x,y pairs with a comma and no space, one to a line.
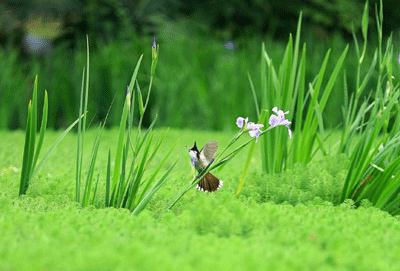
253,128
240,121
279,119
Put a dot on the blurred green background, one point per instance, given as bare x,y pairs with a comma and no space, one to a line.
207,48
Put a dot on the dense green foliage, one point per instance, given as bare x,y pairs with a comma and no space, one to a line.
196,80
202,231
198,76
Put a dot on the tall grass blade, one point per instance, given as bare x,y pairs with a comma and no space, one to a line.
92,163
254,95
79,152
108,180
134,75
43,127
95,189
25,164
120,146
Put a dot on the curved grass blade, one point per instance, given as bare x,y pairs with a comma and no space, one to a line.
108,179
88,186
25,164
61,137
155,172
147,197
120,145
43,127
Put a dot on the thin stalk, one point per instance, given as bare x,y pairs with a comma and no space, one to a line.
216,164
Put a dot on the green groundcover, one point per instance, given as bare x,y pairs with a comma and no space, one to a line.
289,221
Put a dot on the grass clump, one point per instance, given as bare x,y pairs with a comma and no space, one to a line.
30,158
373,172
285,87
125,185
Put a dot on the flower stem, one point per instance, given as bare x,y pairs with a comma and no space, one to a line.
262,119
219,162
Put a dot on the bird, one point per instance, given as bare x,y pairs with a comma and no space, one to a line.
200,160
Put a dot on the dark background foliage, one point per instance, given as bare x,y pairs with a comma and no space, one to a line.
206,49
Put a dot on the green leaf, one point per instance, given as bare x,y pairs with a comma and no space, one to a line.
120,145
80,143
43,127
368,75
140,100
32,131
147,197
50,150
92,163
156,171
333,78
95,189
254,95
25,164
108,179
141,168
365,20
134,75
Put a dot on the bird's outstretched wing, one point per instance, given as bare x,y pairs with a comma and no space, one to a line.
209,150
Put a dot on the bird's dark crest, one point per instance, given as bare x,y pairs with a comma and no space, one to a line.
195,147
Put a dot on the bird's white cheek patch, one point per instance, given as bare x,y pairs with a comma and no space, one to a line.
192,154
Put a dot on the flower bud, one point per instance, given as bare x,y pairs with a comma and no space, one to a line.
128,97
141,107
